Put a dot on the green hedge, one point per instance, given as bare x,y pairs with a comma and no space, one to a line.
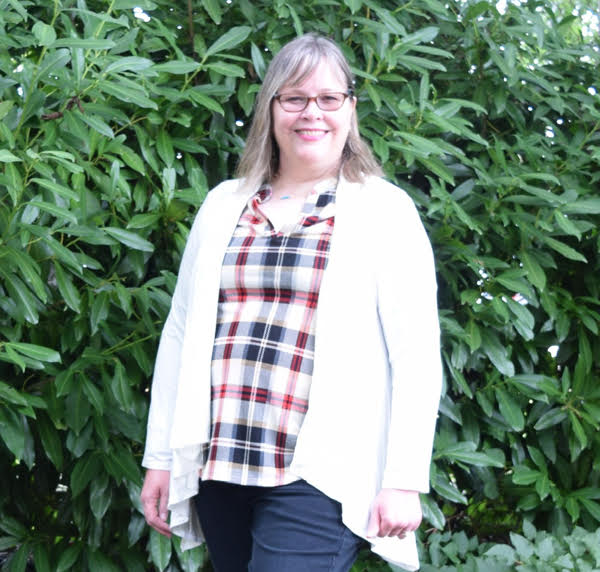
115,120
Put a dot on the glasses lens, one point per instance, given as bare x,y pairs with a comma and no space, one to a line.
330,101
293,102
325,101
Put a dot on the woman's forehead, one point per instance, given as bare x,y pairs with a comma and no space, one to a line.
308,66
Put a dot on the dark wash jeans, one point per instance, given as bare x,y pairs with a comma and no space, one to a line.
289,528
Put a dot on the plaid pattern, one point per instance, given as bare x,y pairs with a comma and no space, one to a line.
264,343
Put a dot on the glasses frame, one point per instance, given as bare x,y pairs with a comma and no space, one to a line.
315,98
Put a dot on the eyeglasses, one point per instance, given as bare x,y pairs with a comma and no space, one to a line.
330,101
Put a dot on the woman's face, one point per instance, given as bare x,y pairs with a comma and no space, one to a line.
313,139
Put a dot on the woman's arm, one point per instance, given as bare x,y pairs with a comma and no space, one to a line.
165,381
407,305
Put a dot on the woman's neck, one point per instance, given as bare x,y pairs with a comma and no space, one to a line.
298,184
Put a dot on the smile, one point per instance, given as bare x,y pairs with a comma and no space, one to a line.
311,132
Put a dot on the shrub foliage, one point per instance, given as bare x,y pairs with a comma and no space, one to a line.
117,117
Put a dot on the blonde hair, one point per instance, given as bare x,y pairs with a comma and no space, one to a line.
291,66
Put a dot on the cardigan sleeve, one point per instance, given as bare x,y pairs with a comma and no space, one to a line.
157,453
407,306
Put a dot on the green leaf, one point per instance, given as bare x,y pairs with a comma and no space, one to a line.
100,495
540,383
5,107
354,5
97,124
213,8
592,507
60,190
63,253
422,36
466,453
550,418
160,549
19,9
84,43
144,220
11,395
12,434
99,310
13,527
164,147
510,410
583,206
563,249
67,289
497,353
127,94
534,271
36,352
44,34
68,558
84,471
473,335
177,67
77,408
54,210
121,388
513,281
129,239
128,63
100,561
7,157
130,4
449,491
543,485
205,101
228,70
41,558
258,61
419,64
18,562
29,270
121,465
50,440
229,40
567,225
21,295
53,61
503,552
95,396
578,430
432,512
391,23
523,475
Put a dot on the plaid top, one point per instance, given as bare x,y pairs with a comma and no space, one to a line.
264,342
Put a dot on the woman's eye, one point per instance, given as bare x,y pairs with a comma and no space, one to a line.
293,99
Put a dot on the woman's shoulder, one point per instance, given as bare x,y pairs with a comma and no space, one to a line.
385,189
225,188
382,195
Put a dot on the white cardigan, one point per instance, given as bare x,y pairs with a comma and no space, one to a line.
377,370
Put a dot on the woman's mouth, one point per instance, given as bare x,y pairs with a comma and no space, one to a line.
311,134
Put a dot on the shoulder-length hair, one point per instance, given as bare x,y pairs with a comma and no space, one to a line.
291,66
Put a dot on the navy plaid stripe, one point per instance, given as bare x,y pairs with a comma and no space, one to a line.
264,341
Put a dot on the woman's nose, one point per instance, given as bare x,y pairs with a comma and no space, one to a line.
311,109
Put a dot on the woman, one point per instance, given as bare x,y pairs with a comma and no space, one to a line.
298,371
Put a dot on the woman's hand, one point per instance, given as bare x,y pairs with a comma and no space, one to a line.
394,513
154,497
